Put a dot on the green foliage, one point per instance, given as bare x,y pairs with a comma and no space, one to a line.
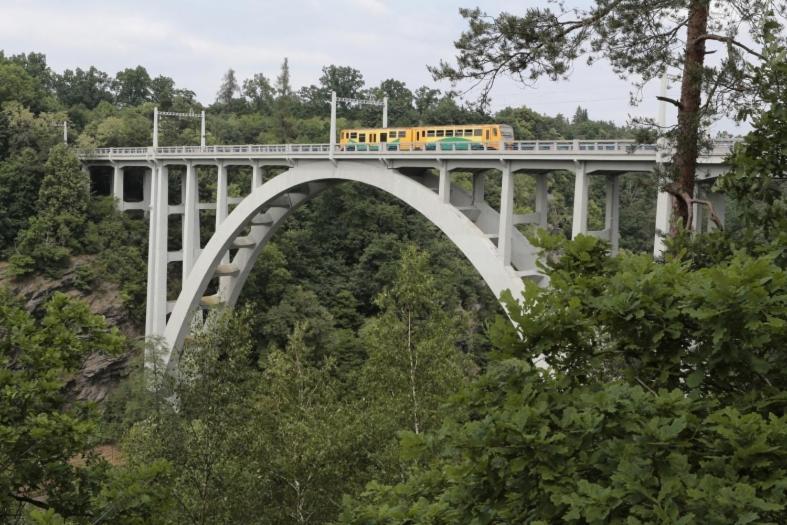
41,431
20,178
756,182
532,448
59,225
663,402
136,495
274,444
310,440
413,364
718,330
132,86
120,244
16,84
205,438
87,88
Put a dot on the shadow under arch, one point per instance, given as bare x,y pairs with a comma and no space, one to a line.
266,208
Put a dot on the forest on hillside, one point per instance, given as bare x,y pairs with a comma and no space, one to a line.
367,375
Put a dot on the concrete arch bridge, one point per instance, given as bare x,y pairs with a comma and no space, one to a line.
488,237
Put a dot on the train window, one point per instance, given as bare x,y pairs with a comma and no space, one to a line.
477,132
440,133
468,133
353,134
449,133
361,137
401,134
430,133
494,131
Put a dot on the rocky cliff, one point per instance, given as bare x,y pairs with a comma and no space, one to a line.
99,372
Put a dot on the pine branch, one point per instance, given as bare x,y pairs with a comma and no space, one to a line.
730,41
672,101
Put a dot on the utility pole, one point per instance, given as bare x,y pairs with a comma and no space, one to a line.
202,129
368,102
333,123
64,125
155,127
190,114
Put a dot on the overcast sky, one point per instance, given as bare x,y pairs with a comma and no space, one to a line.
196,41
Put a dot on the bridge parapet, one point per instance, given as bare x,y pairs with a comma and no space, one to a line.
509,150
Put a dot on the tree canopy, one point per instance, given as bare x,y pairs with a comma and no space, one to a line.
641,42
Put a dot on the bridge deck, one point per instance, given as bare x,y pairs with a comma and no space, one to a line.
535,150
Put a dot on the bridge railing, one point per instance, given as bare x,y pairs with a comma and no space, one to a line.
525,147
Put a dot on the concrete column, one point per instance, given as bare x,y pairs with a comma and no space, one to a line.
478,187
147,189
444,188
256,176
191,241
579,223
697,210
612,211
663,222
222,207
719,206
117,186
663,199
157,255
148,192
542,204
222,210
506,214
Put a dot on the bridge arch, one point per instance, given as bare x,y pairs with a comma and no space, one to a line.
267,206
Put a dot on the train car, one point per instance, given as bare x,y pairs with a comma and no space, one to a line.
447,137
371,139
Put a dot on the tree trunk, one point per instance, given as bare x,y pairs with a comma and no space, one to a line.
687,147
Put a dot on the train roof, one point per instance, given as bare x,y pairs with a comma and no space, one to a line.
424,126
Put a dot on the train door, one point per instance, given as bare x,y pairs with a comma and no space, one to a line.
487,134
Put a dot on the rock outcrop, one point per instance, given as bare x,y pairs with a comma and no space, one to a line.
99,372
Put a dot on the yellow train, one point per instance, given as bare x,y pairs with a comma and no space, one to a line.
453,137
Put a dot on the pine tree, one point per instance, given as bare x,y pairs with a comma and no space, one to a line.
59,226
229,88
642,41
283,87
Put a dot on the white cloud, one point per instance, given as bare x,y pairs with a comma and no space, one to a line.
196,41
